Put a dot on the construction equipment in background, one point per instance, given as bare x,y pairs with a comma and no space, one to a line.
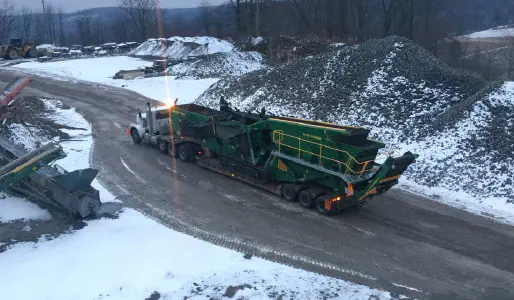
16,50
322,165
29,174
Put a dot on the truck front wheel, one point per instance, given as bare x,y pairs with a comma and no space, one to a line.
135,136
186,152
163,146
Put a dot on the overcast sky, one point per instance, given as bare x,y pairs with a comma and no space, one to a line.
73,5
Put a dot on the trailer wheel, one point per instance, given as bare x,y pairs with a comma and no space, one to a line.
186,153
322,209
306,199
289,192
135,136
163,146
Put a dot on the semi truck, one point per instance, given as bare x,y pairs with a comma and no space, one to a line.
320,165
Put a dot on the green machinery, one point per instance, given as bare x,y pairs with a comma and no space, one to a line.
29,163
321,165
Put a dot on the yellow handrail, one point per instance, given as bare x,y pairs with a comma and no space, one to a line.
278,138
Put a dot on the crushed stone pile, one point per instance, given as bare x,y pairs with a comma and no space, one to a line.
385,84
179,48
462,128
474,147
218,65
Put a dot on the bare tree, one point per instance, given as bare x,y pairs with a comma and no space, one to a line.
6,20
50,19
98,33
26,22
60,20
139,16
39,26
206,15
84,22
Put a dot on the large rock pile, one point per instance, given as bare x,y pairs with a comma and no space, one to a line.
462,128
179,48
218,65
390,83
474,148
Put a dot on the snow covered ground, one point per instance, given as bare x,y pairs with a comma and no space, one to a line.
14,208
101,70
498,32
134,257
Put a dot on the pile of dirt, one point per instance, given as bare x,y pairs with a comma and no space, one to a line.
218,65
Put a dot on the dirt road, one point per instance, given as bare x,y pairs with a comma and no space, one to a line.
400,242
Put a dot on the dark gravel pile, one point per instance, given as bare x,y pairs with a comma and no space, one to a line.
475,147
389,83
218,65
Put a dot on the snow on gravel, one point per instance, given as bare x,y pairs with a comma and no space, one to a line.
498,32
13,208
101,70
182,47
133,257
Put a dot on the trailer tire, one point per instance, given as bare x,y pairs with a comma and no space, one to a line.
163,146
289,192
306,200
186,152
135,136
320,206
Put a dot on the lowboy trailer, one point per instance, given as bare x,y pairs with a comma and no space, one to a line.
320,165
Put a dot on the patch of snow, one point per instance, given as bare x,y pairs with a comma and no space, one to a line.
101,52
45,47
101,70
257,41
13,208
75,52
133,257
498,32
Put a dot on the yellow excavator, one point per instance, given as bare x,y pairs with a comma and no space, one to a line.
16,49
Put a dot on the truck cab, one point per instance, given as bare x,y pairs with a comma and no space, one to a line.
152,126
